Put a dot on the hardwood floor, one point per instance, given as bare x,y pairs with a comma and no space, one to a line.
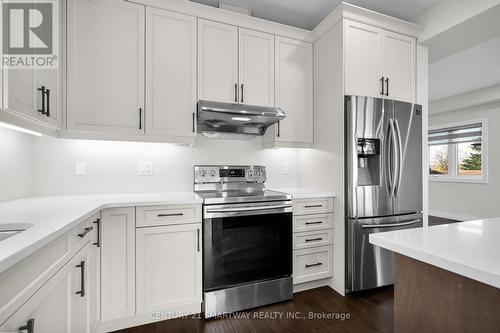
366,312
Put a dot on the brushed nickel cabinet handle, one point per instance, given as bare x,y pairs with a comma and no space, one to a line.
315,222
313,265
85,232
171,214
81,292
314,239
29,327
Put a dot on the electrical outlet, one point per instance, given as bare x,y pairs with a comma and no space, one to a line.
285,169
145,168
80,168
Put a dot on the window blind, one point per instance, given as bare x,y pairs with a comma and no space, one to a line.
456,134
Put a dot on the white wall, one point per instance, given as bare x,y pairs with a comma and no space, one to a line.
16,164
112,166
465,199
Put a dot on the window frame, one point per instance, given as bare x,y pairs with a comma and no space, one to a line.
452,175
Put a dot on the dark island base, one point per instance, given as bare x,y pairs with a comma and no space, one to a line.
430,299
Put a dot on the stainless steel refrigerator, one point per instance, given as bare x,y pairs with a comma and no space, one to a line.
383,154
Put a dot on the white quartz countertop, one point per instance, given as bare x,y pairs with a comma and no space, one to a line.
52,216
300,193
471,249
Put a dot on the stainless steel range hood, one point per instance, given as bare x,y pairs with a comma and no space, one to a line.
236,118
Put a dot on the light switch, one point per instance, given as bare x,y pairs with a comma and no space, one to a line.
145,168
80,168
285,168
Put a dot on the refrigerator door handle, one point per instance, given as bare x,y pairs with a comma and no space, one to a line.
400,158
390,225
391,159
354,183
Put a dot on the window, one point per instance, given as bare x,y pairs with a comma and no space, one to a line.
458,152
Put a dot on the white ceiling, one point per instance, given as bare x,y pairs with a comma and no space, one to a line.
307,14
474,68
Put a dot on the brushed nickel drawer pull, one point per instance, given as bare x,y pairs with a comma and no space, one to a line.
85,232
315,222
314,239
313,265
313,206
171,214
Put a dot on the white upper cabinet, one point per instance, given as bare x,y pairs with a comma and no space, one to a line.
256,68
34,92
235,65
362,59
398,66
294,92
170,74
105,66
379,63
217,61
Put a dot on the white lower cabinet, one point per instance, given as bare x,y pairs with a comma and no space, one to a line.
61,305
312,239
117,263
169,269
312,264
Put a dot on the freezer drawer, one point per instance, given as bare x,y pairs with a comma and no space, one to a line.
370,266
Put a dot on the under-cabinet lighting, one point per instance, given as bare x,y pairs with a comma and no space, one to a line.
19,129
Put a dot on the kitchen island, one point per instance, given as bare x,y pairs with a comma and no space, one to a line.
447,277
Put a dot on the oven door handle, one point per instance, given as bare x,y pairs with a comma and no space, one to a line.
246,209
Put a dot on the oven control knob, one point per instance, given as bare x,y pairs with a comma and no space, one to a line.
203,173
250,173
212,173
257,173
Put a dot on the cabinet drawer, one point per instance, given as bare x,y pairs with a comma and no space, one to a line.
312,206
167,215
303,240
83,233
312,222
21,281
312,264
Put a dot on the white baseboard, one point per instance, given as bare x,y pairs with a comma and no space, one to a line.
453,216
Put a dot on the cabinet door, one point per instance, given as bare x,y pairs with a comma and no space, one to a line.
256,68
217,61
398,64
171,73
362,59
117,263
81,293
294,90
105,66
168,268
56,307
20,85
94,273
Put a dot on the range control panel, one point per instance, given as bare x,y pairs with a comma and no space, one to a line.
227,174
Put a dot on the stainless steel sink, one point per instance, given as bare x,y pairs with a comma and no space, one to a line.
10,229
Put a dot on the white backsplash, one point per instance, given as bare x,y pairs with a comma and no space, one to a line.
112,166
16,164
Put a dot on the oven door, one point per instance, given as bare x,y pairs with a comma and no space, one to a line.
246,243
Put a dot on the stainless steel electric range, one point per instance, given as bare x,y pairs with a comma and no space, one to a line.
247,239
